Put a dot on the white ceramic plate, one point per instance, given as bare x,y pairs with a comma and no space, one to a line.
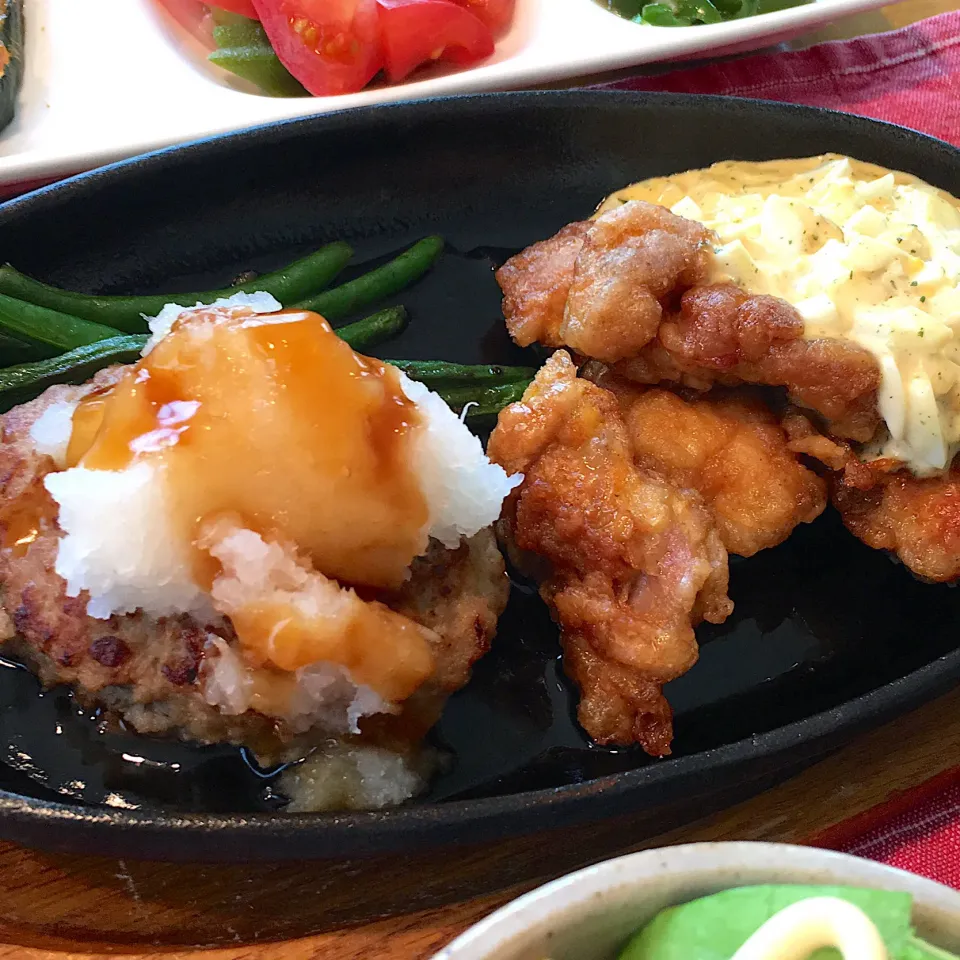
589,915
107,79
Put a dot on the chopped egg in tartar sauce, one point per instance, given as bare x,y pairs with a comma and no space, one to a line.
864,254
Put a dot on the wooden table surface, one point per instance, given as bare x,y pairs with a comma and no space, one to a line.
58,907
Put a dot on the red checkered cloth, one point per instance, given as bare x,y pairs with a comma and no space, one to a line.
910,77
918,830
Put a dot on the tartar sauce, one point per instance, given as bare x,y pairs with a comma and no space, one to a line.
864,254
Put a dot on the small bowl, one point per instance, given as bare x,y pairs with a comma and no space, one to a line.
590,914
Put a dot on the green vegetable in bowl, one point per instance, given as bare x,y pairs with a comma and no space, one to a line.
685,13
661,15
716,927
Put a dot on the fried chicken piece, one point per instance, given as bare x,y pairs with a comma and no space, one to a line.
157,674
804,438
599,286
886,506
916,518
536,283
633,259
724,335
628,562
607,289
729,447
618,704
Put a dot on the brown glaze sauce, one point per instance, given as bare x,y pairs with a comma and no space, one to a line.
25,518
274,420
380,648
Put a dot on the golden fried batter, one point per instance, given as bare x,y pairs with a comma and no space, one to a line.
536,283
886,506
723,335
916,518
629,562
599,286
730,448
632,259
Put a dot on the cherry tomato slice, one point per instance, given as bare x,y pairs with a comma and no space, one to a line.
496,14
193,16
330,46
420,31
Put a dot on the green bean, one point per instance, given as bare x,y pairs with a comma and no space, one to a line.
84,360
71,367
485,401
487,388
244,49
374,329
14,349
257,63
378,284
440,371
59,331
288,284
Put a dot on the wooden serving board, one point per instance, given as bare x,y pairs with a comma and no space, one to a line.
57,907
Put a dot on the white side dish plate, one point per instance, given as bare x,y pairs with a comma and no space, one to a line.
108,79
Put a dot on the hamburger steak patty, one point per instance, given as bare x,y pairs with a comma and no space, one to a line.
150,672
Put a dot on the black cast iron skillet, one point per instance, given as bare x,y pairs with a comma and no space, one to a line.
828,638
